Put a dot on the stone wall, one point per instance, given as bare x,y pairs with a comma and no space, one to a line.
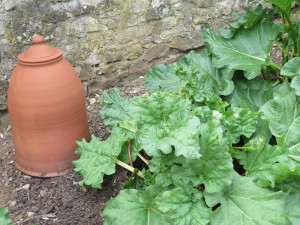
107,41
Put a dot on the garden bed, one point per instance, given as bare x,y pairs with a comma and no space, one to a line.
58,200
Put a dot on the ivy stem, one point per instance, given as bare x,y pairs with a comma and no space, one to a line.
129,152
142,158
127,167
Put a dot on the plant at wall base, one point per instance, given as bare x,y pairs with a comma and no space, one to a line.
220,131
4,216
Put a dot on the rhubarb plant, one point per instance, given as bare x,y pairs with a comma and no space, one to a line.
217,139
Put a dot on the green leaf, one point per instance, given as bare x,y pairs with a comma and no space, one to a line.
283,5
249,50
184,206
291,68
252,95
245,203
161,166
296,84
193,73
4,216
252,17
283,115
97,158
162,77
270,164
291,184
238,122
291,206
216,163
115,108
166,123
134,208
210,77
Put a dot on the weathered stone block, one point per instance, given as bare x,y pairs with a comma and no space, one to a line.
134,33
9,4
156,51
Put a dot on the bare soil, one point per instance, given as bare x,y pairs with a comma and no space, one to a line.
59,200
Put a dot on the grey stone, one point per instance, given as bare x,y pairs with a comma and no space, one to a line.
90,2
9,4
4,120
204,3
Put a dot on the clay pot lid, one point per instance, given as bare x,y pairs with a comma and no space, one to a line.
39,52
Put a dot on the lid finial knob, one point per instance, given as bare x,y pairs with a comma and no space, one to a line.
38,39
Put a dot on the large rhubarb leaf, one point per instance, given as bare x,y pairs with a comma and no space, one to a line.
4,216
249,49
193,73
184,206
245,203
162,77
270,164
238,122
166,122
115,108
252,95
283,115
134,208
97,158
211,78
215,165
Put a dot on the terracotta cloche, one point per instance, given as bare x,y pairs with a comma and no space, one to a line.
47,110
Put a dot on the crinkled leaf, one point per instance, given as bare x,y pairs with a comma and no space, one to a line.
4,216
161,165
193,75
283,115
216,163
238,122
162,77
184,139
134,208
252,95
184,207
209,76
245,203
166,123
97,158
249,50
115,108
270,164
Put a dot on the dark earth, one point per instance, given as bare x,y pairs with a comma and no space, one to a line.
59,200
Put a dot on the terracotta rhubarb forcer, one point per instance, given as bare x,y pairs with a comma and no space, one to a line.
47,111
